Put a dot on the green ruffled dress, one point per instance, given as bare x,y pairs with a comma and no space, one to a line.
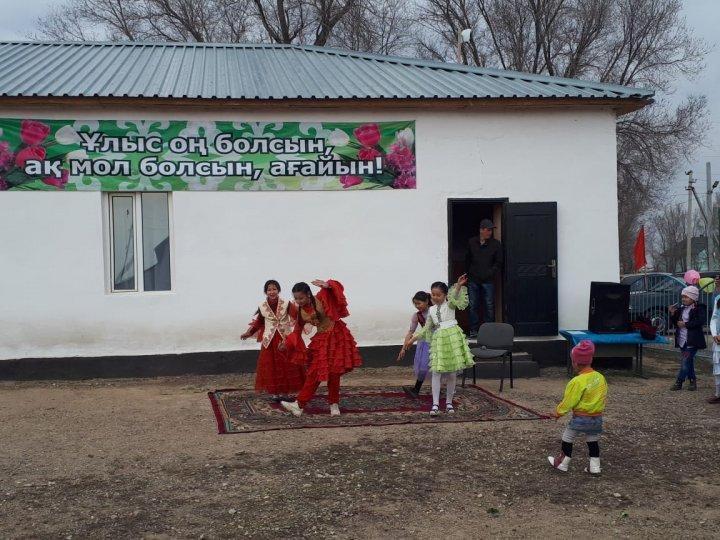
449,350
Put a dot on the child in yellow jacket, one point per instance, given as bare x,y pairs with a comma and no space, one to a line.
585,396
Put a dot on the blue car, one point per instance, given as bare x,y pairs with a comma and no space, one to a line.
652,293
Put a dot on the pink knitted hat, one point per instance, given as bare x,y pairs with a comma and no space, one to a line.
582,353
691,292
692,277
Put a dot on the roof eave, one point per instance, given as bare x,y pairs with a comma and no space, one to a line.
621,106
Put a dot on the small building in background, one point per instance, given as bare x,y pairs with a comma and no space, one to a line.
150,189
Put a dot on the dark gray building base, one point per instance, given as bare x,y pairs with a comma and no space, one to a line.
539,353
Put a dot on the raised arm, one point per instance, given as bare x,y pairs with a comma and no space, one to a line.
332,295
458,294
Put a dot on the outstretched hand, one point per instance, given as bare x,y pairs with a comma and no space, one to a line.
320,283
245,336
401,354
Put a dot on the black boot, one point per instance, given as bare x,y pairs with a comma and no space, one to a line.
413,391
693,385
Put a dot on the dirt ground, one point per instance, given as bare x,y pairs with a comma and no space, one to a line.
141,459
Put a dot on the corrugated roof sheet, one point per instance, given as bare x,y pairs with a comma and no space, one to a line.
234,71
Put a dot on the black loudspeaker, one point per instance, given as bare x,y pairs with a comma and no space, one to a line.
609,308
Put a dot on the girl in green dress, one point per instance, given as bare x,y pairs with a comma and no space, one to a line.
449,351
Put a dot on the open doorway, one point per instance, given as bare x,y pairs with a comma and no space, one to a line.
464,216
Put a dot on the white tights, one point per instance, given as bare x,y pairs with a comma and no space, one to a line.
437,380
717,386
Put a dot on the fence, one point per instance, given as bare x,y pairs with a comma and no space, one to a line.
652,294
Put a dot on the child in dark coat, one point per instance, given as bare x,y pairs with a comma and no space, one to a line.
689,319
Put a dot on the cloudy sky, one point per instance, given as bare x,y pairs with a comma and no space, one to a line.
703,17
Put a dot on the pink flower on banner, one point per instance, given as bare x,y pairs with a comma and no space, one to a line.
33,132
6,156
406,180
4,186
58,182
401,158
368,154
367,134
349,181
31,152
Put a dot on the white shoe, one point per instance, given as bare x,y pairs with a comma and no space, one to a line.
291,407
334,409
594,466
561,462
434,410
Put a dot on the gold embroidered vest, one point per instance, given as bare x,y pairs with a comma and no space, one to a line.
317,318
279,321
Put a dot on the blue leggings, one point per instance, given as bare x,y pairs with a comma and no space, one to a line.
687,367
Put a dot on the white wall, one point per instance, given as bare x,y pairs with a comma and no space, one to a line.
383,245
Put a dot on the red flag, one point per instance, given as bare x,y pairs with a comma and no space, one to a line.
639,250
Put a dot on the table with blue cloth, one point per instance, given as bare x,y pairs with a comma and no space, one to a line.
612,345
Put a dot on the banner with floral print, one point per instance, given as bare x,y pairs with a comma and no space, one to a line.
170,155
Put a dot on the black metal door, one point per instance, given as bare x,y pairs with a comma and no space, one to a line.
530,291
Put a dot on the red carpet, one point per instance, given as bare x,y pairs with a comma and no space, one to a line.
242,411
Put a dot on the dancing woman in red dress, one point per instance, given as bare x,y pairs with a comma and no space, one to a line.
273,323
332,351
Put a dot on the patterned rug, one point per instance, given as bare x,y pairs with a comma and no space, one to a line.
242,411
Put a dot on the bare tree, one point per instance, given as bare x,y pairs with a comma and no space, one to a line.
626,42
378,26
276,21
668,230
668,235
284,20
149,20
66,23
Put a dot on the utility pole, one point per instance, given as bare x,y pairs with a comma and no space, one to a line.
689,226
709,213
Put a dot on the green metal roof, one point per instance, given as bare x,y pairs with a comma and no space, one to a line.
270,72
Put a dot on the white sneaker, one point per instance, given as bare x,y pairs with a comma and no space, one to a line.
561,462
594,467
291,407
334,409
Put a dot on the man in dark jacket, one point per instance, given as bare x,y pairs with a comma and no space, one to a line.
483,261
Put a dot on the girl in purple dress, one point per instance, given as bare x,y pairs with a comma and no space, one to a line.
421,365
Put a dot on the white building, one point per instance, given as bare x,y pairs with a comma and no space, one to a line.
488,143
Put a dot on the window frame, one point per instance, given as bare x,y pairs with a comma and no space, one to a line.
107,204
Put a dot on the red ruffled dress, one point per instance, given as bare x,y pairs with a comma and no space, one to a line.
332,351
275,374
